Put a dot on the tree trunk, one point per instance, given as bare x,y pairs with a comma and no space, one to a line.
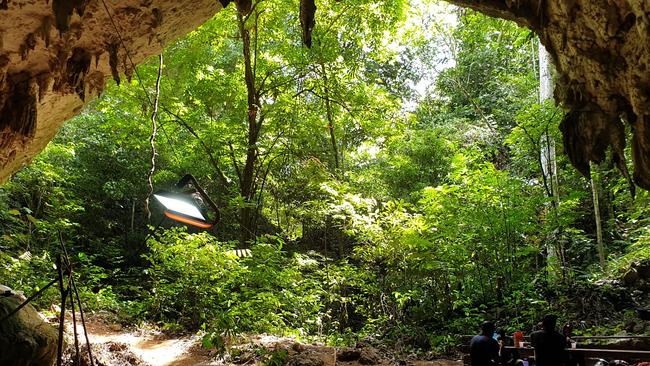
548,158
549,161
132,215
247,175
330,119
595,185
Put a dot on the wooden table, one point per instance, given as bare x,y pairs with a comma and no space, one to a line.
608,354
523,351
612,354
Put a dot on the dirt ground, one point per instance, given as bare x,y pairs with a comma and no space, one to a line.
116,346
113,345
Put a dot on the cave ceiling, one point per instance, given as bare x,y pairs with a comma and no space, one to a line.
56,55
601,51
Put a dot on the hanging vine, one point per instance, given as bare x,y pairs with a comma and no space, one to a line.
152,139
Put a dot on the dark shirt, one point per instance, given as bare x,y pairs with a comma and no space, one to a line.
484,351
549,348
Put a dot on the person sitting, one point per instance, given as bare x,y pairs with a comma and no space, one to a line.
549,344
567,331
572,359
503,342
508,357
483,349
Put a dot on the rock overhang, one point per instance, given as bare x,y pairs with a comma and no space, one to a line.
601,51
55,55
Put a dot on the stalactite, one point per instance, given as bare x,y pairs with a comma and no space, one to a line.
112,49
63,10
44,30
28,44
587,136
18,112
76,69
307,20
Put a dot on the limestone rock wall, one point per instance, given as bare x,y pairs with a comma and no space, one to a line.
601,50
56,54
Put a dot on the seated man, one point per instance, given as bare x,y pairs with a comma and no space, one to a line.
508,357
549,344
483,349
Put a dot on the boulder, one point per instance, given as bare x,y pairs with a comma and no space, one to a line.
631,277
307,358
643,314
369,356
25,338
348,354
642,268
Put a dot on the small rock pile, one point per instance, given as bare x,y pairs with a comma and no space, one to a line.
293,353
638,275
104,354
365,355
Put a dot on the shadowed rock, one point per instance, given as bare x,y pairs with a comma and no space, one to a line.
25,339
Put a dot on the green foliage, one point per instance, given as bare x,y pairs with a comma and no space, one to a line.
277,358
381,208
493,72
264,293
28,273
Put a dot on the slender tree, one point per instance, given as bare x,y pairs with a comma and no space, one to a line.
594,180
548,158
255,119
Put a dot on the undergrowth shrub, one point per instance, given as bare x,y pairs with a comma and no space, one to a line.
30,272
197,282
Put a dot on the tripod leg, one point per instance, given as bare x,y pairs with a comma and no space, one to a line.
64,295
74,322
73,289
83,322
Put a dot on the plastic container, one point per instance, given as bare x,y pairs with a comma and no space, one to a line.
518,338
